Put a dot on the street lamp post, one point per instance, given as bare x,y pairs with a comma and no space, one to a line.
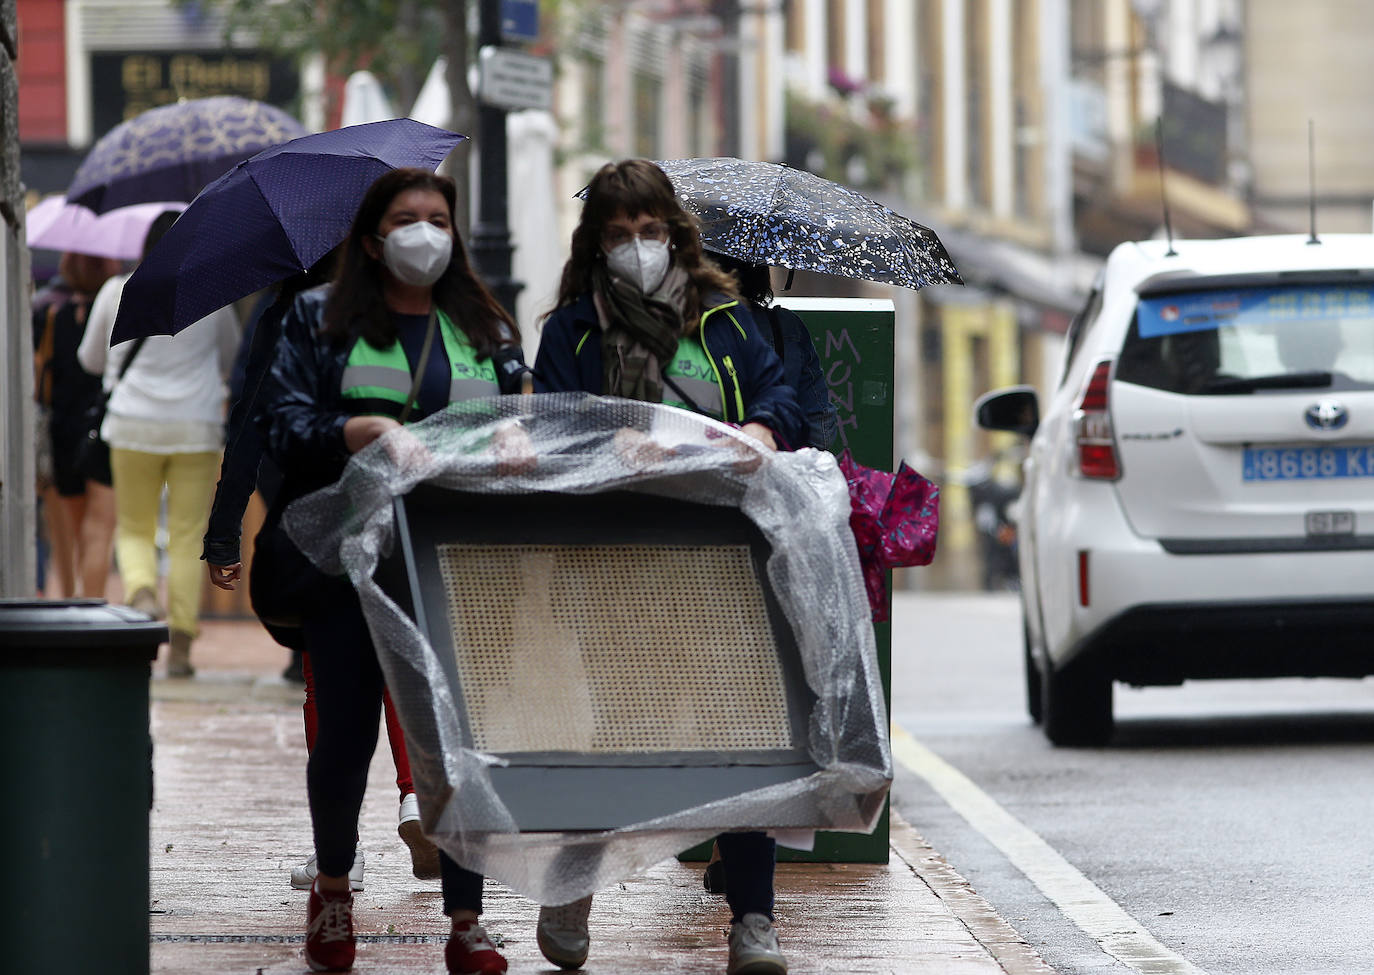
491,246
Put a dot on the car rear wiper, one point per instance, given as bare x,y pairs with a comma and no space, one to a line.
1282,380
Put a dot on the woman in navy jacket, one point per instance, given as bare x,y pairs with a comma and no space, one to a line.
642,314
405,302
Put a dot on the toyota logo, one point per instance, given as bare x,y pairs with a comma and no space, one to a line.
1326,415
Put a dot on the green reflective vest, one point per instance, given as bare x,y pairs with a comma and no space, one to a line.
694,373
694,368
377,381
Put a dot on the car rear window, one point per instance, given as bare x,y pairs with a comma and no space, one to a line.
1233,340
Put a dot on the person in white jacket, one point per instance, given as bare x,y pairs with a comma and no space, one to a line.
165,428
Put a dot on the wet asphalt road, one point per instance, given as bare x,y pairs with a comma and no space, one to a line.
1233,820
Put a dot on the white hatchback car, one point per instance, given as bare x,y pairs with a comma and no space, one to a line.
1198,497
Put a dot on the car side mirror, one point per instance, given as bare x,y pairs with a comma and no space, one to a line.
1015,410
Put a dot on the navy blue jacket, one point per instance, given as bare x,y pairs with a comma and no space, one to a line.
801,367
304,421
753,389
243,468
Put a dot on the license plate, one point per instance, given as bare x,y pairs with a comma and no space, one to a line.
1331,523
1306,463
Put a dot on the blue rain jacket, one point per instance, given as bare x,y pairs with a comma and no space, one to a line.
569,360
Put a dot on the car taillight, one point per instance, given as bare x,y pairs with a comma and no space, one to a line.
1092,427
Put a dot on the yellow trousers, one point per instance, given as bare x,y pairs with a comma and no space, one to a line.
138,481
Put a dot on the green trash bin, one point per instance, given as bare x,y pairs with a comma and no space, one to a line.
78,784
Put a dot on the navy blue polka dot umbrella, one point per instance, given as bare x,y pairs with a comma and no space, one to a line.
768,213
173,151
269,217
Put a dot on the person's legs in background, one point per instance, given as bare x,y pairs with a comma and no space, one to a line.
138,480
424,855
60,579
95,538
190,489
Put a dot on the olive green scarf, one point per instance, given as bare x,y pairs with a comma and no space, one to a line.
639,332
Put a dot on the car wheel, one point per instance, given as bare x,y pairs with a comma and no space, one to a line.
1076,706
1035,702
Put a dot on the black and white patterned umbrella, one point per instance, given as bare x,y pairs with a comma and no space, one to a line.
768,213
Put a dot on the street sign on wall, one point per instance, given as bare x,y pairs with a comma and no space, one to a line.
514,80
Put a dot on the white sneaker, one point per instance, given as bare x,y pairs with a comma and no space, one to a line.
303,876
754,948
562,933
424,855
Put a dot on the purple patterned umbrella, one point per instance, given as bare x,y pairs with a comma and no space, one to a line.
269,217
768,213
172,152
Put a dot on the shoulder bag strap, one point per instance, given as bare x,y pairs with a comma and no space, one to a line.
46,347
129,360
420,366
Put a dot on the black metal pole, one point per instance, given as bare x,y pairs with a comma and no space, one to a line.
491,246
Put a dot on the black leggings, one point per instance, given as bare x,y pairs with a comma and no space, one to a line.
348,695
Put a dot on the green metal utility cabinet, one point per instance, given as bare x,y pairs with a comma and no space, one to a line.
855,338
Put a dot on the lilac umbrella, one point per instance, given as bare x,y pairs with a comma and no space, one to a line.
270,217
173,151
54,224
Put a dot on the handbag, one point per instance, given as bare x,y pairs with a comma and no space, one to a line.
279,577
93,453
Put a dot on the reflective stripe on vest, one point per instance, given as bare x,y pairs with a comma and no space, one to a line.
382,377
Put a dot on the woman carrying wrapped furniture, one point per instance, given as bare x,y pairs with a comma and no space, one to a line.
405,329
642,314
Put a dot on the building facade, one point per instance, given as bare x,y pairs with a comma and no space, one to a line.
1309,64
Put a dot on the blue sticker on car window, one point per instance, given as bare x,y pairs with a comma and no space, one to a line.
1201,311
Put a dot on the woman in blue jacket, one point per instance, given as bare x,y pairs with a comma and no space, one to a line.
405,303
642,314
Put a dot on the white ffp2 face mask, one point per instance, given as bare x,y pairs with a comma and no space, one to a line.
417,253
642,262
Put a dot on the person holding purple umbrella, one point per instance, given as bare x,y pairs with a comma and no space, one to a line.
244,470
406,328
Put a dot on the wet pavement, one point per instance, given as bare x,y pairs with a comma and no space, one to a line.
230,820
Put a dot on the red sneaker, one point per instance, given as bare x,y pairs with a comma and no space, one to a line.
329,930
470,952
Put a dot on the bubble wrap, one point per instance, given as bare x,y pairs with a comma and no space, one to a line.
578,444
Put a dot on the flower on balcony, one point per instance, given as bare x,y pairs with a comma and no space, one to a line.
843,84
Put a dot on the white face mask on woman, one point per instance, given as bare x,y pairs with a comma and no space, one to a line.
417,253
644,263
